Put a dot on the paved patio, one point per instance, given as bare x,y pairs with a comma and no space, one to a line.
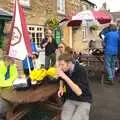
106,105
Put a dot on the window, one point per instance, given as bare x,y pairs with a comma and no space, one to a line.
84,7
84,33
61,6
37,32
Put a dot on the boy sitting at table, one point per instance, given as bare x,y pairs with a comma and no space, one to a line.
79,97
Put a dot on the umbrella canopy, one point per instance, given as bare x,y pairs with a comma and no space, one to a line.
94,16
102,17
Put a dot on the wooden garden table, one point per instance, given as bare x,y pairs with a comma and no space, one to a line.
21,100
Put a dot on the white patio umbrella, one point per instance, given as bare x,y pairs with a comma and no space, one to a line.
90,17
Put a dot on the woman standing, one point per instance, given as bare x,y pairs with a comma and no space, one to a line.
60,50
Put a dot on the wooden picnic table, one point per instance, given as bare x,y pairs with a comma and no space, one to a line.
21,100
95,66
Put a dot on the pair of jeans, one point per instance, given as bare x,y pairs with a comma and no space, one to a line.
50,60
110,64
75,110
119,61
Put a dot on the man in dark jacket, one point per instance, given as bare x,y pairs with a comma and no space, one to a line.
79,97
50,47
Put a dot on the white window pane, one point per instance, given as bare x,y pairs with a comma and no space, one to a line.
61,6
33,35
37,33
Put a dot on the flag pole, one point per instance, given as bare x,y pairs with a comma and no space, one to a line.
32,82
28,64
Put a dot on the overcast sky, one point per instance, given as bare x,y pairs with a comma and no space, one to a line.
113,5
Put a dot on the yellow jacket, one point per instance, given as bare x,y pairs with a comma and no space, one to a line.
13,74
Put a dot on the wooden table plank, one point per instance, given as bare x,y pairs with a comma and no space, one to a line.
38,94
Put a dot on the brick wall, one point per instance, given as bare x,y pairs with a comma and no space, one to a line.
41,10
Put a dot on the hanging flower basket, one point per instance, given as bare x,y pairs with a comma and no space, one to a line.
94,27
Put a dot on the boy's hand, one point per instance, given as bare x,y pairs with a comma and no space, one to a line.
60,92
61,74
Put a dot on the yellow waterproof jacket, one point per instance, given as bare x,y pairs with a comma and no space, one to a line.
13,74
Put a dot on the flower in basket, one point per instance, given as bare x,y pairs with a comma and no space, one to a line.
38,75
52,72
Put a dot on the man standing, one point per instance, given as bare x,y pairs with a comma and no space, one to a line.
50,47
104,31
111,52
118,25
119,52
79,97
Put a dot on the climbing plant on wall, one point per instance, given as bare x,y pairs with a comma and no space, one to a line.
52,23
1,34
94,27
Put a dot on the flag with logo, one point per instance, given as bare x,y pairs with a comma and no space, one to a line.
19,44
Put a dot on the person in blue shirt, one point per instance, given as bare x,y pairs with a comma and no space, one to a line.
104,31
119,52
111,51
25,62
118,25
118,70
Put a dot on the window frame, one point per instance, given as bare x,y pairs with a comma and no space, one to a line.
25,4
61,6
38,32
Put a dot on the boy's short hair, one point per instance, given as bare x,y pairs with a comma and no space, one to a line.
66,57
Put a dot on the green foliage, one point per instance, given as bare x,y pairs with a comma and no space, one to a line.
52,23
1,33
1,41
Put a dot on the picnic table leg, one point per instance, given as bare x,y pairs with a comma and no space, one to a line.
15,114
57,117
